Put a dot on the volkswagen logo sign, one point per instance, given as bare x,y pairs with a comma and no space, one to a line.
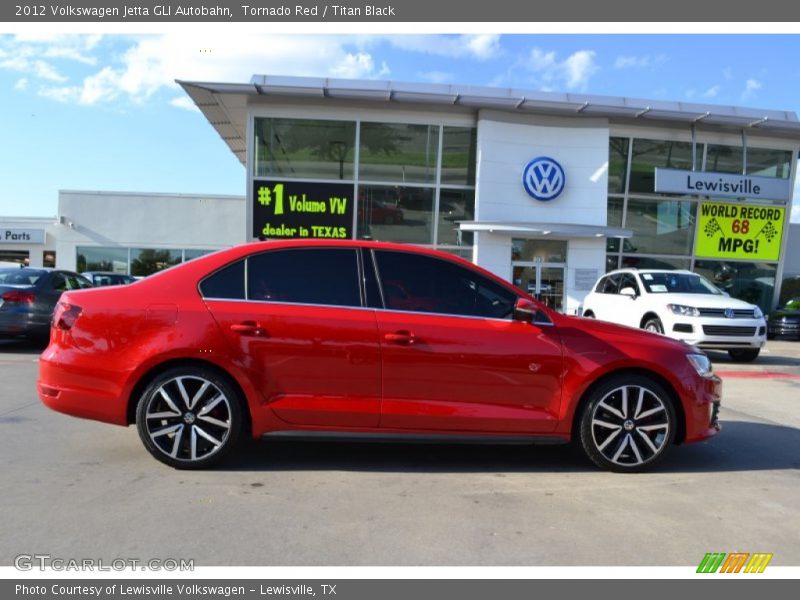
543,179
728,313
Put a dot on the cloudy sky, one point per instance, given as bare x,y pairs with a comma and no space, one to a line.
102,112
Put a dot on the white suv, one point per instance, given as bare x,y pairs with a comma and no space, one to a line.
682,305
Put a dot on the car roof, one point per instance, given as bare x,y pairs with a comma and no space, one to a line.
635,270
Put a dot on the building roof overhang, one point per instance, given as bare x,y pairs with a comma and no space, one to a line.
225,104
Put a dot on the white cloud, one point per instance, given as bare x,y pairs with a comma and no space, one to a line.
727,73
639,62
152,63
751,86
573,72
481,46
711,92
21,84
185,103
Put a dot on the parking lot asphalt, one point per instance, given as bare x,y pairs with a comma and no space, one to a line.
78,489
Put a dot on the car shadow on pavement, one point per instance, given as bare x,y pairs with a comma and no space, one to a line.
741,446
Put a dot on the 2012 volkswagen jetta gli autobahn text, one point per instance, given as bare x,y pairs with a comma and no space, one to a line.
299,339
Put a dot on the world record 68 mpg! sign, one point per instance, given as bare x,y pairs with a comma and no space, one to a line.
739,231
296,209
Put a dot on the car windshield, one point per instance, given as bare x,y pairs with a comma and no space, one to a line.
19,276
678,283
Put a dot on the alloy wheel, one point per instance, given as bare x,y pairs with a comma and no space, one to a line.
630,426
188,418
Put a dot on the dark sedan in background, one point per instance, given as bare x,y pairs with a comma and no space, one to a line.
101,278
28,297
785,322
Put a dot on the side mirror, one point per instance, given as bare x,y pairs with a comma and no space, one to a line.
628,291
524,310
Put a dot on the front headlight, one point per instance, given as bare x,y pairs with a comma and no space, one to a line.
683,310
757,313
701,364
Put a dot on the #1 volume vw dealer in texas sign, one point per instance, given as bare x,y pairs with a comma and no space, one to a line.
296,209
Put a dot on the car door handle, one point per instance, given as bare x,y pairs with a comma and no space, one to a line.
248,328
405,338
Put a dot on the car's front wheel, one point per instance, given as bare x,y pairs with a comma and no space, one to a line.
653,325
189,417
744,354
628,423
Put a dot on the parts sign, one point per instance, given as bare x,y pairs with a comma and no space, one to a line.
739,231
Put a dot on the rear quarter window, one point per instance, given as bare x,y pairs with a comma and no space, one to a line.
227,283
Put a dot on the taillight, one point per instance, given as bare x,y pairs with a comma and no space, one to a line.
65,315
19,296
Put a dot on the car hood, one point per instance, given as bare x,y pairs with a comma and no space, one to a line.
623,333
702,300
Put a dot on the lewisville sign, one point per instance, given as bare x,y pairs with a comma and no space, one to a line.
724,185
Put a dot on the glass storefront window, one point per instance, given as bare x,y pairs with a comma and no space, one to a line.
617,164
459,155
752,282
651,262
549,251
397,152
455,206
189,254
769,163
465,253
98,258
649,154
145,261
304,148
660,227
612,262
49,258
615,209
723,159
395,214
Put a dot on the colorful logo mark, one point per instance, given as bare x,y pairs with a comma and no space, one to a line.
736,562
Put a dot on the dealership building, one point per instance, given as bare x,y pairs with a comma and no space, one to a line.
546,190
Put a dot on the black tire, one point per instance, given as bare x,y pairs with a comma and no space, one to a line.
744,354
627,435
653,325
589,314
189,417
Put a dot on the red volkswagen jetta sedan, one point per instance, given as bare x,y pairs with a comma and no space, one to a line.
315,339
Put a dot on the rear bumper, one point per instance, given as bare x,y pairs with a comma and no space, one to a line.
14,324
94,393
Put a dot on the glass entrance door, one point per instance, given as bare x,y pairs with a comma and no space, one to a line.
543,281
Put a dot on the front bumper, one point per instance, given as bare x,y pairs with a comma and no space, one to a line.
702,420
718,334
783,328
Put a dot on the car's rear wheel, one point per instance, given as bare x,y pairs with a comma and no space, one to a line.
744,354
653,325
628,424
189,417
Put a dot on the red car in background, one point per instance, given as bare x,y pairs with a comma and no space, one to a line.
196,361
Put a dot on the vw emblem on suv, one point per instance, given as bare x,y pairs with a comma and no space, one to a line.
728,313
543,178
